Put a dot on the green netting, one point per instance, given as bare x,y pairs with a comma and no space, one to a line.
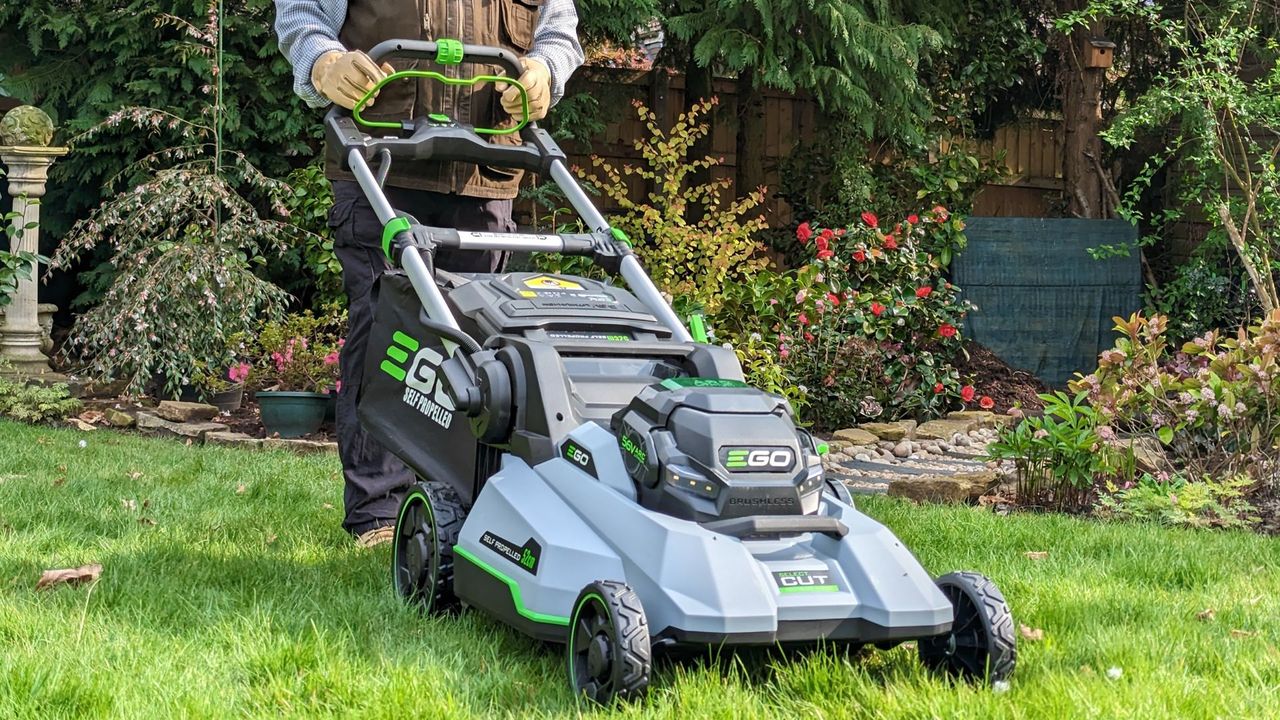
1045,305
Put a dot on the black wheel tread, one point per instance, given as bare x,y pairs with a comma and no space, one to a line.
1002,651
448,514
631,627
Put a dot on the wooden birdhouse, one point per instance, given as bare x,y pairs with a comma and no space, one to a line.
1100,53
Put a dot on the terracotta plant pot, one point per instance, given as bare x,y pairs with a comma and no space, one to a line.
292,414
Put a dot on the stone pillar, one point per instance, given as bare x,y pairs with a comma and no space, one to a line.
28,168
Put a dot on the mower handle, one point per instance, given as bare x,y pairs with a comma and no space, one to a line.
448,52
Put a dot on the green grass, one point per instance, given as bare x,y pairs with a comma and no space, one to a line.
255,604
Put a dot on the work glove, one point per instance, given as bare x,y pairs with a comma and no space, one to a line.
537,84
344,77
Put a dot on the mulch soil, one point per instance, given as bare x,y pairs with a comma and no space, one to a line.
994,377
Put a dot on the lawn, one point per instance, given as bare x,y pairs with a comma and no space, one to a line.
229,590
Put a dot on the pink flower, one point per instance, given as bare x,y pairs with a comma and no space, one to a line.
986,403
808,337
941,213
331,358
803,319
783,352
833,299
871,219
801,295
238,372
338,386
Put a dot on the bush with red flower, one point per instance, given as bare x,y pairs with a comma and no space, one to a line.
869,328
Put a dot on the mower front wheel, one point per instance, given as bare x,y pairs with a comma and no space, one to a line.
609,651
981,644
430,518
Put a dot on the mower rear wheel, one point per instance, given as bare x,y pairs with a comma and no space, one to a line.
430,518
609,651
981,644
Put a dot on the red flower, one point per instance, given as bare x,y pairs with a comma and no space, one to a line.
803,319
941,213
890,243
804,232
834,299
986,403
825,254
822,243
808,337
871,219
947,330
966,393
859,256
924,292
913,219
938,388
877,309
827,234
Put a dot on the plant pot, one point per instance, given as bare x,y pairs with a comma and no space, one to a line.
228,400
331,410
292,414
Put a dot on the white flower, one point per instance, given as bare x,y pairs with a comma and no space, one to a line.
1114,673
1000,687
755,337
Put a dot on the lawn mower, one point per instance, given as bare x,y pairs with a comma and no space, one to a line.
592,474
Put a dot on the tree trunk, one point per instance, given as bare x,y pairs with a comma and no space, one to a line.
751,135
1082,120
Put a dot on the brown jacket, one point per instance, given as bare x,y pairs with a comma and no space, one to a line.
504,23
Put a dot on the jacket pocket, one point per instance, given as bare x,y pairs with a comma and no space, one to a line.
518,18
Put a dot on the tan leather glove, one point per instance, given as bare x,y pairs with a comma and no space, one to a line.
344,77
537,84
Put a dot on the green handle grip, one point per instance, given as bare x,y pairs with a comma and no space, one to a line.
433,75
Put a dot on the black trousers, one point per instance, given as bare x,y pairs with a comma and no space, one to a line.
375,481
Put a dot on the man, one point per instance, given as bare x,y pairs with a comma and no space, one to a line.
325,42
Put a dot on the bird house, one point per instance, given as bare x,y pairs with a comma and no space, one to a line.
1099,53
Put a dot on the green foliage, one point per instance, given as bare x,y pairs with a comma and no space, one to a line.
858,58
1060,456
307,202
84,61
693,262
1214,403
831,184
14,266
183,242
298,353
867,329
1204,294
1216,109
34,403
1180,502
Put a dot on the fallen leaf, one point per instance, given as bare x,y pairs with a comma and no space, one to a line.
134,475
240,489
328,506
62,469
271,538
1037,555
82,425
130,505
1206,614
42,440
1243,633
91,416
73,576
58,481
1030,633
146,521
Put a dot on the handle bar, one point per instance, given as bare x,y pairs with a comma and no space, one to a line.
448,52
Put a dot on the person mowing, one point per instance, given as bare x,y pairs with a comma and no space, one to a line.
325,41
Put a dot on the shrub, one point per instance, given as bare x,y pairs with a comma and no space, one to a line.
298,353
35,403
1174,500
306,203
183,244
1213,404
1060,457
692,261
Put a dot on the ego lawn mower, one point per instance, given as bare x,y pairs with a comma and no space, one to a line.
591,474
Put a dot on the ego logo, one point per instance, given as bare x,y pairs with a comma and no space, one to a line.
757,459
577,455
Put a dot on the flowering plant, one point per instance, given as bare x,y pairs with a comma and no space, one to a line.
298,354
873,326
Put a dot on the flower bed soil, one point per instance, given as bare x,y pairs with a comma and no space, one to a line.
994,378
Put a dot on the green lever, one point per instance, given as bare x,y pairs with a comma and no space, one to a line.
432,75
